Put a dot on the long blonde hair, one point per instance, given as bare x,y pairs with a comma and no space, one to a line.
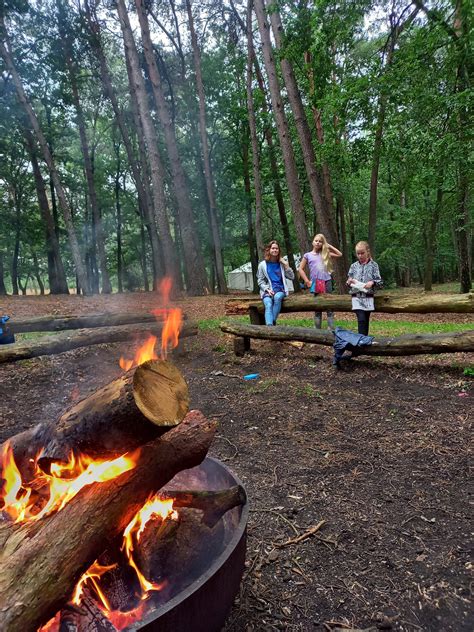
325,252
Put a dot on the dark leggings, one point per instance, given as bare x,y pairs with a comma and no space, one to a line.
363,318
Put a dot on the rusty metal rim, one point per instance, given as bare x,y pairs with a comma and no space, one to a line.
217,564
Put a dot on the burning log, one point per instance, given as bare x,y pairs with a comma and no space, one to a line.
129,411
57,549
65,341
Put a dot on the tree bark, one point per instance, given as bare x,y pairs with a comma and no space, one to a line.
25,103
410,344
57,276
140,179
221,280
257,184
156,168
99,240
396,29
65,341
192,255
283,131
408,304
322,209
63,545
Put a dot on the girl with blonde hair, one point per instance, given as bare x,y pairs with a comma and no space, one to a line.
363,278
319,261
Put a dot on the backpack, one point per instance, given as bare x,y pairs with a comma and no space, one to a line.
6,336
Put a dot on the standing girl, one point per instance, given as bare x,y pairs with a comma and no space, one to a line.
320,268
271,278
363,278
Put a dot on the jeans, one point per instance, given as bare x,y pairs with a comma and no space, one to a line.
363,318
273,307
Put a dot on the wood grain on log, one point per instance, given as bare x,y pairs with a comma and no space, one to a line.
66,341
41,562
409,344
390,304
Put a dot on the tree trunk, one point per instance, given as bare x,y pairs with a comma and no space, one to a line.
291,170
410,344
3,289
253,136
156,168
221,281
323,212
65,341
63,545
57,275
144,197
23,99
430,240
99,241
409,304
248,203
396,29
192,255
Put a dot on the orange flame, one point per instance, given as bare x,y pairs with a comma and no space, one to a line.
153,507
60,486
172,320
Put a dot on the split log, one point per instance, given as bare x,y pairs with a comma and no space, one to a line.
409,344
129,411
41,562
384,302
60,323
66,341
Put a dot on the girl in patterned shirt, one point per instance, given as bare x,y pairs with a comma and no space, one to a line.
320,268
363,278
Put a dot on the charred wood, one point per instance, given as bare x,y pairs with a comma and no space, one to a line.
57,549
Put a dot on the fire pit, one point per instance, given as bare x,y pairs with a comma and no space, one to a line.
204,604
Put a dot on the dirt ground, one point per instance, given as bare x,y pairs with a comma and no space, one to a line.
369,465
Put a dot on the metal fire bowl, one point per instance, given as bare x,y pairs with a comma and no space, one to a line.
204,605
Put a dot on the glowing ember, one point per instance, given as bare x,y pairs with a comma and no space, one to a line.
59,487
172,320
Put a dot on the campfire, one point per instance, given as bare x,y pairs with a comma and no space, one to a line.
94,536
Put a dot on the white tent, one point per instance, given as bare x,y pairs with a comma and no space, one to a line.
241,278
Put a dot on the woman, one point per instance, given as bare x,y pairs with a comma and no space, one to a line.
271,278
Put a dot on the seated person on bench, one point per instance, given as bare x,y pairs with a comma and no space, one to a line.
271,278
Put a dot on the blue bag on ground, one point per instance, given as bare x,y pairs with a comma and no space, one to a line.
6,336
346,340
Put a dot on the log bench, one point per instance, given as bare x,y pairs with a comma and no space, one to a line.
409,344
94,333
384,302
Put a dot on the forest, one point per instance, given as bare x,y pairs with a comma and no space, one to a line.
160,138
